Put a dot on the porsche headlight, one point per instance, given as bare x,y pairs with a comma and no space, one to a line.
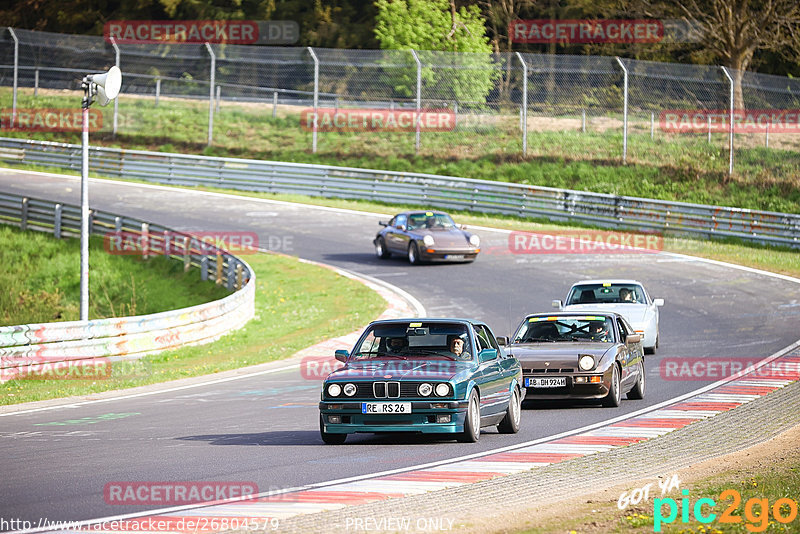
334,390
442,389
586,362
474,240
425,389
428,240
349,389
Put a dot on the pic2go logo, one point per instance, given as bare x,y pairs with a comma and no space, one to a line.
756,511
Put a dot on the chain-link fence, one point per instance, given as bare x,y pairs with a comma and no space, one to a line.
410,102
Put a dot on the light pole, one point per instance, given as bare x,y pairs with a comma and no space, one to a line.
104,88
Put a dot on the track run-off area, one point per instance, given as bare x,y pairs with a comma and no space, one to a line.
263,429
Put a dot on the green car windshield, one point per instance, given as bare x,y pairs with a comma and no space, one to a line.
414,340
598,329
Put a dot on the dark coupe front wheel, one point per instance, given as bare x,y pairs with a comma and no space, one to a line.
614,396
413,253
327,437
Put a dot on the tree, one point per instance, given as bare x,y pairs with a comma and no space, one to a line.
431,27
734,30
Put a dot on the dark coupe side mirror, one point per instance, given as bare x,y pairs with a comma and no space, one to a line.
383,223
633,338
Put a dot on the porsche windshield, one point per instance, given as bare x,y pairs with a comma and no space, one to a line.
429,220
598,329
413,340
606,294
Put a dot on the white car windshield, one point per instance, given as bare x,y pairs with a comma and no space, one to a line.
606,294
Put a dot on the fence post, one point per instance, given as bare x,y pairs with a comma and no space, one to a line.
211,93
652,125
455,113
274,104
219,96
158,89
766,138
36,82
583,120
624,112
116,100
204,268
524,104
419,97
16,76
730,157
708,121
316,99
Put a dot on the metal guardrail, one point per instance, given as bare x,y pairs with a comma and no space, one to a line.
560,205
23,347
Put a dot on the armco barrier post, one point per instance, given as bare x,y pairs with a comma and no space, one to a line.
57,221
204,268
212,75
23,220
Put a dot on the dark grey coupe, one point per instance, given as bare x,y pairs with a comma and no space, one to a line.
426,236
580,356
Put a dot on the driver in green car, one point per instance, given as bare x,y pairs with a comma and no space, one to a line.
456,346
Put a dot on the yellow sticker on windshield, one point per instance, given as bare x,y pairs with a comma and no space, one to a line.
607,284
429,213
414,325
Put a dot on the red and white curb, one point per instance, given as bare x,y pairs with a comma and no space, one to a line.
270,509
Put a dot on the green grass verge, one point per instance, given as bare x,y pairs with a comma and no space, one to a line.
670,167
41,281
297,305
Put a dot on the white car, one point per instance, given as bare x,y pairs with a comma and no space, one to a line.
626,297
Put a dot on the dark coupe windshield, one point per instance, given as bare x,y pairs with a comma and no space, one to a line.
555,329
412,340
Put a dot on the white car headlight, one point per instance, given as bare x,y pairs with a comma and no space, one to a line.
474,240
428,240
349,389
425,389
334,390
442,389
586,362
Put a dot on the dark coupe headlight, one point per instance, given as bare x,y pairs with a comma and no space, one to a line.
586,362
474,240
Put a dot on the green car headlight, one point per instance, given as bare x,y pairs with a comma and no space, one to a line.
425,389
334,390
443,389
349,389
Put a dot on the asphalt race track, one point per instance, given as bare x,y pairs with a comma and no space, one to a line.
264,429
